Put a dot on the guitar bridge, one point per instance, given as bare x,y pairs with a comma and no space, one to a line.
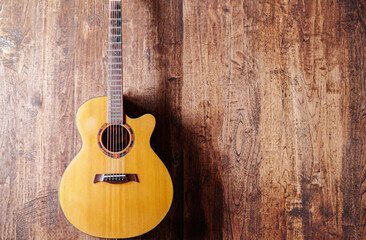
116,178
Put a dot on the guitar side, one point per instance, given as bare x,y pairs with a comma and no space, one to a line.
114,210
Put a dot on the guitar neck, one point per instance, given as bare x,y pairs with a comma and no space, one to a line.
115,73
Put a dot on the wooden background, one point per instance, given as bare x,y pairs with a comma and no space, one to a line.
260,105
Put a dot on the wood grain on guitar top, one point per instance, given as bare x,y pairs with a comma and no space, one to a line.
114,210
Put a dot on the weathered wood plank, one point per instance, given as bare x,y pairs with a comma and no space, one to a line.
260,109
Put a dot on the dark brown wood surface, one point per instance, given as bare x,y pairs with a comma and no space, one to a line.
260,107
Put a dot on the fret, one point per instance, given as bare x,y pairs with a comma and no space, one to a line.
114,56
118,22
113,42
115,39
115,50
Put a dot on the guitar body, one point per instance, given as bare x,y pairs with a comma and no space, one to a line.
109,210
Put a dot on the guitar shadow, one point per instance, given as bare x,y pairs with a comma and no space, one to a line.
198,205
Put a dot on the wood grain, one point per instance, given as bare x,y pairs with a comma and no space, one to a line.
260,107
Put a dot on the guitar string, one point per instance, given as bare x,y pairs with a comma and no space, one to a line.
114,126
112,59
110,92
114,122
109,99
117,123
122,110
121,69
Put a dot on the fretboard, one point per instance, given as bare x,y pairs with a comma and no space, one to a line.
115,78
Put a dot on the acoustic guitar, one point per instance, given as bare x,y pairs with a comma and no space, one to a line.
116,186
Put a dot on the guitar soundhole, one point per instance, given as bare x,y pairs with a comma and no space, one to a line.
115,138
